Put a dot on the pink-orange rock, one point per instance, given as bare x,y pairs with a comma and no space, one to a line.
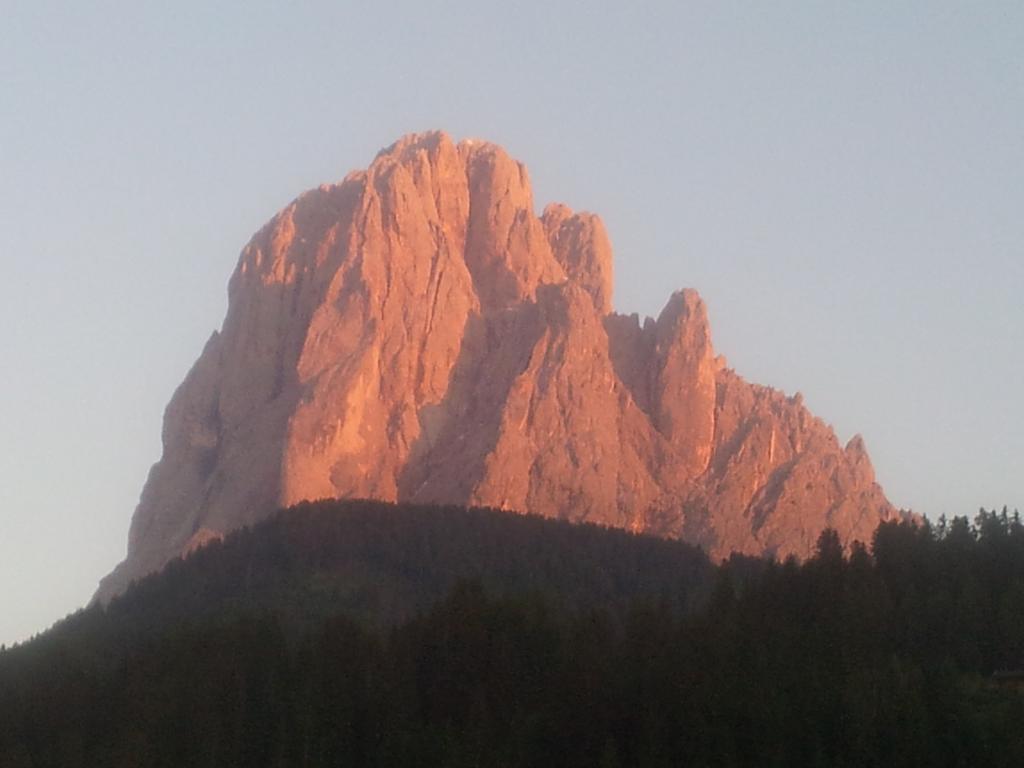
580,244
416,332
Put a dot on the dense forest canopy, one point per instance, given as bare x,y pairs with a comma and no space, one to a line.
358,633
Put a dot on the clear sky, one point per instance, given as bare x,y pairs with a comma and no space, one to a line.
843,182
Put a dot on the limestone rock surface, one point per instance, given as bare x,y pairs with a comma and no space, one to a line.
417,332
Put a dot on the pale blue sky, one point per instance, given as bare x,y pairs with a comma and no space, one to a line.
843,182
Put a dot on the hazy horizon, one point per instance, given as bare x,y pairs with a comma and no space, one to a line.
842,185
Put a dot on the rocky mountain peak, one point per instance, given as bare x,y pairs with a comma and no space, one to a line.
417,332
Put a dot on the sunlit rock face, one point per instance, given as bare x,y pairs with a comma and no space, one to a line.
417,333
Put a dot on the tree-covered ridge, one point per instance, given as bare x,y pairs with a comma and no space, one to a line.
379,562
883,655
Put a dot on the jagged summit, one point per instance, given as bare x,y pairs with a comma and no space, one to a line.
418,333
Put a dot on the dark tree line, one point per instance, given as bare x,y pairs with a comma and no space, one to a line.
453,638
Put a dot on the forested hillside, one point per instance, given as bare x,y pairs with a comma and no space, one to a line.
367,634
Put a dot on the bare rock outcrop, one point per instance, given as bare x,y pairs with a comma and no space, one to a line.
417,332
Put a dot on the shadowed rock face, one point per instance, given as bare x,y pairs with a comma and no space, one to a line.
417,333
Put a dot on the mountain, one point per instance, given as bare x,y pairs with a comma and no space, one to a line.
417,333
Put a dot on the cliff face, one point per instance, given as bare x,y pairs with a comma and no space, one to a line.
417,333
